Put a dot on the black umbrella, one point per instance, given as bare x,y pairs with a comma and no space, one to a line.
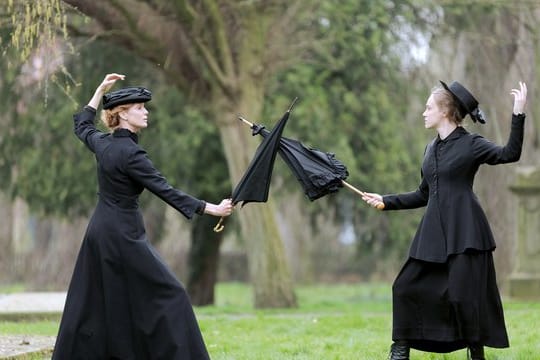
319,173
255,184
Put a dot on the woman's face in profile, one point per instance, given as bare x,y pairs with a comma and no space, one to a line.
433,114
136,117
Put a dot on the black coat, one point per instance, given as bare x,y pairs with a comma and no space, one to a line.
123,301
454,220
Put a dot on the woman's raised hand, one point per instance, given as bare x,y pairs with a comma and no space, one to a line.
109,81
105,85
520,98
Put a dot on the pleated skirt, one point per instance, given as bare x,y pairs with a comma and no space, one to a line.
443,307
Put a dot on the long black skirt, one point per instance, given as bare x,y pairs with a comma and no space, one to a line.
123,301
443,307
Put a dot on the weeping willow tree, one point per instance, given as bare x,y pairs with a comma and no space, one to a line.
35,26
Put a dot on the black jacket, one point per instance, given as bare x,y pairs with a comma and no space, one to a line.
454,220
124,169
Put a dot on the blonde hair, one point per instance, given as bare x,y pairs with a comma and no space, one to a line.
111,117
447,103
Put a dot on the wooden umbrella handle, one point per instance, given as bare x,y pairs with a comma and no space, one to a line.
219,227
360,192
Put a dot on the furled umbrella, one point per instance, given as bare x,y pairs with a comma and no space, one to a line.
255,183
319,173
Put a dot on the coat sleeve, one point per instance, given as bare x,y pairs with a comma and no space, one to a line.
413,199
410,200
489,153
140,168
85,128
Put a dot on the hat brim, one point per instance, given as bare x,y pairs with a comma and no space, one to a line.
124,96
133,100
445,86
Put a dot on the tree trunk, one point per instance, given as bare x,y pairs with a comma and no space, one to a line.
272,283
268,268
203,261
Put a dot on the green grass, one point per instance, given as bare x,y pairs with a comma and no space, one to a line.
332,322
11,288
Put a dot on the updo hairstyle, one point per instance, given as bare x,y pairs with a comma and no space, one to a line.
111,117
447,103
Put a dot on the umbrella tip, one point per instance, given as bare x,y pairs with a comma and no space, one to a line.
292,104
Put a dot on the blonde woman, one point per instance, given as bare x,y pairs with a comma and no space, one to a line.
445,297
123,301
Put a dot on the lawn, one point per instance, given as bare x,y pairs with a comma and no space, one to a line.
332,322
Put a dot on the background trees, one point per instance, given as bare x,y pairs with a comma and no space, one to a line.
361,70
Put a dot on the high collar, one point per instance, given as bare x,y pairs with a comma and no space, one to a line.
123,132
456,133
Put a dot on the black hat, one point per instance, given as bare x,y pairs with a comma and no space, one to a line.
466,102
128,95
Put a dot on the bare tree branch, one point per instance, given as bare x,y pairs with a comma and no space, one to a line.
222,41
213,65
137,26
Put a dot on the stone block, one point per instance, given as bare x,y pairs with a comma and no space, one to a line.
524,287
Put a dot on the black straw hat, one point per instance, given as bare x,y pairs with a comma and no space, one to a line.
466,102
128,95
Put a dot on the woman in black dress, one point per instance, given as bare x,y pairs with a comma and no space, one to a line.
445,297
123,301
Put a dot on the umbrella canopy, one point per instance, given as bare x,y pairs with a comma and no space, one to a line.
319,173
255,184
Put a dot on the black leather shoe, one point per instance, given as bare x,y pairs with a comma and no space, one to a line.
476,352
399,351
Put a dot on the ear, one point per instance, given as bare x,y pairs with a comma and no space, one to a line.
445,113
123,115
